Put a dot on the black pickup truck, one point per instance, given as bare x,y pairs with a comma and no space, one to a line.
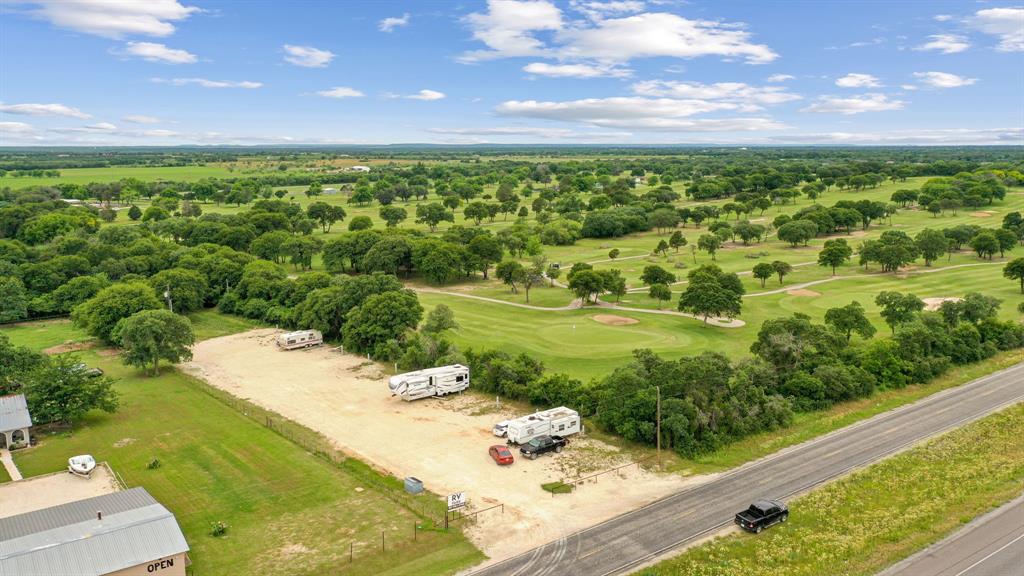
762,514
542,444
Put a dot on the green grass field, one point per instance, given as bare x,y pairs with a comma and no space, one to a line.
113,173
880,515
289,512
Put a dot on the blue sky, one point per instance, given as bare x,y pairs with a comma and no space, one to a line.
507,71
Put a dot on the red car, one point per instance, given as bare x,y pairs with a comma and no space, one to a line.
501,454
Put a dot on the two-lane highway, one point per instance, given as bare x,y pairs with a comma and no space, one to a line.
625,542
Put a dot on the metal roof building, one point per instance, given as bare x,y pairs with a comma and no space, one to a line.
14,420
122,533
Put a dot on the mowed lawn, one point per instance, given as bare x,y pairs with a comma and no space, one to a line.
574,343
289,511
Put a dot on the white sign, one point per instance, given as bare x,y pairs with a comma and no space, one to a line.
457,500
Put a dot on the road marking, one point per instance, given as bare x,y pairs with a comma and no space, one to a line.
1001,548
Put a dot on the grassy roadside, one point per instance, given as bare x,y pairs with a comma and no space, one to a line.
882,514
4,477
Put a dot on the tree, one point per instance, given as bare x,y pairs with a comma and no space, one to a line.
391,254
834,253
1007,240
315,189
155,213
14,303
1014,270
655,274
711,292
932,244
781,269
380,319
393,215
61,391
898,308
553,272
849,319
710,243
134,213
325,214
102,312
797,232
269,246
660,292
360,223
487,249
985,244
153,335
301,249
613,253
763,271
187,288
586,284
534,274
661,248
663,218
439,319
510,272
677,240
433,214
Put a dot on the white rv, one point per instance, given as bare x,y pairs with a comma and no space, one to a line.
559,421
430,382
299,339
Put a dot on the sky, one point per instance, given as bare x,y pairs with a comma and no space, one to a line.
167,72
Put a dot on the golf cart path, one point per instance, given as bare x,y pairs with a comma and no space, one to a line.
577,304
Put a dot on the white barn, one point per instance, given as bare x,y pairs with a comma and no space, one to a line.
14,421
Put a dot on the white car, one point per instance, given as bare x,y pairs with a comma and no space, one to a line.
500,429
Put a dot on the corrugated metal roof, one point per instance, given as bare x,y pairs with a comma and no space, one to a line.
69,539
14,413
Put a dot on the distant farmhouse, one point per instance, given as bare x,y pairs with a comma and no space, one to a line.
14,421
122,533
358,168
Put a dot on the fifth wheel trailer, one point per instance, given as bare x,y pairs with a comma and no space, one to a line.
559,421
430,382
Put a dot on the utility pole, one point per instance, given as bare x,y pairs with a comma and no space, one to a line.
658,426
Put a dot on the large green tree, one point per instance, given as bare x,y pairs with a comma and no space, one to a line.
102,312
187,288
1014,270
61,391
712,292
380,319
149,336
834,253
849,319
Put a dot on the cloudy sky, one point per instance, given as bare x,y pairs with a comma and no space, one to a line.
511,71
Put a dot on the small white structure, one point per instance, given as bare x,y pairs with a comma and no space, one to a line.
559,421
430,382
299,339
359,169
14,421
82,465
330,190
500,429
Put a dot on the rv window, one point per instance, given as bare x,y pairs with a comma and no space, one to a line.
573,423
529,430
459,378
561,427
291,341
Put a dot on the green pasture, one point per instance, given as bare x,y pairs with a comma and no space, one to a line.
218,465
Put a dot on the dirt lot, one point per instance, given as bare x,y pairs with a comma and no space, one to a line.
52,490
443,442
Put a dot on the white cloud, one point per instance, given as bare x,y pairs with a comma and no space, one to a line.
509,29
942,17
43,110
855,80
1005,23
598,10
141,119
340,92
389,24
17,128
944,79
945,43
427,95
576,70
156,52
159,133
908,87
114,19
637,113
307,56
959,136
751,97
105,126
780,77
854,104
205,83
529,131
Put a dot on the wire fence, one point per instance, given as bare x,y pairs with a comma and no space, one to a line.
34,319
577,482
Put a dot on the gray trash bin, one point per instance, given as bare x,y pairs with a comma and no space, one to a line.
413,485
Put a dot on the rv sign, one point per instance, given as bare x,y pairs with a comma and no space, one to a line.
457,500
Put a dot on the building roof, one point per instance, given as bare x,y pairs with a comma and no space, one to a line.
14,413
71,539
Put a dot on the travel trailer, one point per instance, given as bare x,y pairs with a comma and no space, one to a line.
300,339
430,382
559,421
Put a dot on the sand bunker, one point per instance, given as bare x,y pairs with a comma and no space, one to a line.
933,304
981,214
802,292
613,320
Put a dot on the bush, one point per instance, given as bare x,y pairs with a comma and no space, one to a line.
218,528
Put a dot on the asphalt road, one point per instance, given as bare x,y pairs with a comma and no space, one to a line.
991,545
626,542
